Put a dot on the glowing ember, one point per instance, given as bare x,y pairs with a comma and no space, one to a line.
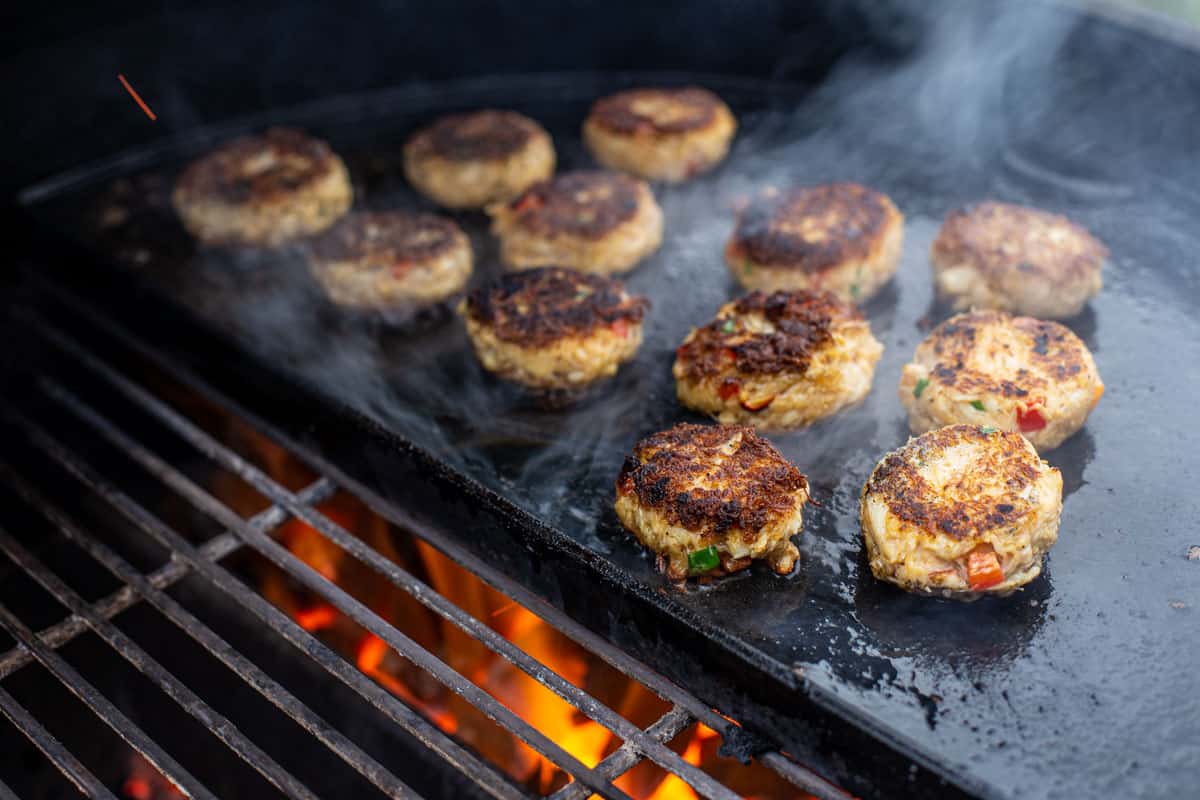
316,618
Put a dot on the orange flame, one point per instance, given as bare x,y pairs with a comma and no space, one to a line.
317,617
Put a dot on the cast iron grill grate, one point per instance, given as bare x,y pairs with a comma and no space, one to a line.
203,562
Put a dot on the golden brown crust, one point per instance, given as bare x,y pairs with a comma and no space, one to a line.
712,478
653,111
812,228
802,324
967,509
486,135
539,306
997,238
1052,350
258,169
586,204
391,239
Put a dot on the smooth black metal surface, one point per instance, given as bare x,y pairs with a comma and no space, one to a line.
1082,684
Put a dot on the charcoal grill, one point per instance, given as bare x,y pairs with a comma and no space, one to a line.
1044,694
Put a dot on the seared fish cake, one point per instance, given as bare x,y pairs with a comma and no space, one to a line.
961,512
263,190
553,328
840,237
997,255
660,134
780,360
590,221
1011,373
470,160
391,259
711,498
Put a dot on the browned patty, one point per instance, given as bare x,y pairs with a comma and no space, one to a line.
1053,350
802,321
476,136
965,511
656,110
586,204
230,175
811,228
539,306
995,237
393,238
750,486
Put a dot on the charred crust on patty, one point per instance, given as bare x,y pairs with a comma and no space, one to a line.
803,323
1053,350
656,111
996,238
487,135
587,204
811,228
259,169
389,238
539,306
967,511
753,483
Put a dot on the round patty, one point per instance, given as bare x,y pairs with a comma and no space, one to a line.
660,134
961,512
711,498
471,160
997,255
387,259
263,190
780,360
553,328
1012,373
840,237
590,221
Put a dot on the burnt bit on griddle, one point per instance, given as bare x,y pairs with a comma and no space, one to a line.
712,478
656,111
588,204
536,307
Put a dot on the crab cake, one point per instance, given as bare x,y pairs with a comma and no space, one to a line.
470,160
263,190
1011,373
589,221
711,498
660,134
391,259
961,512
778,361
553,328
840,237
997,255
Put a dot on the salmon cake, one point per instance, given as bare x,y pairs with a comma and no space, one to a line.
961,512
263,190
709,499
660,134
777,361
1030,376
840,237
1018,259
589,221
391,259
554,329
470,160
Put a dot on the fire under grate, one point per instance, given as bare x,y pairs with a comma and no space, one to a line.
204,562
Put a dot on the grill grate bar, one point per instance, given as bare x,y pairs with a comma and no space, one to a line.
53,749
387,703
593,709
215,722
800,776
275,693
626,757
124,727
165,576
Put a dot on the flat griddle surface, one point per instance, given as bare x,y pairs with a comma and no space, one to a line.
1083,683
